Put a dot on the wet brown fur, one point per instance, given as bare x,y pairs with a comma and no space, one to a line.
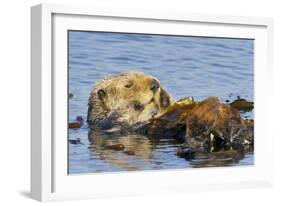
211,120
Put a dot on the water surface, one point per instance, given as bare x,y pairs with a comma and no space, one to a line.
186,66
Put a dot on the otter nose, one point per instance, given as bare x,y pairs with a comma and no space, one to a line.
154,85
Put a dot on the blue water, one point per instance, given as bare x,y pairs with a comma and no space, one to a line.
186,66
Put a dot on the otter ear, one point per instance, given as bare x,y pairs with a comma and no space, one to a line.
101,94
165,98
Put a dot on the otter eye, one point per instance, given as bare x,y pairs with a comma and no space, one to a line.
129,84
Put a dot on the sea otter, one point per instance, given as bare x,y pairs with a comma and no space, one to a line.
126,101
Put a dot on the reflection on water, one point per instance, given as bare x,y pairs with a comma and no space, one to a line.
220,158
136,154
142,152
186,66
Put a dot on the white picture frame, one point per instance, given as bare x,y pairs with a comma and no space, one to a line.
49,178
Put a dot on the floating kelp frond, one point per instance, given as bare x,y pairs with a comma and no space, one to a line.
172,123
242,104
249,122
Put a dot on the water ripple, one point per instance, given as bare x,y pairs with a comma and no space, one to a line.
186,66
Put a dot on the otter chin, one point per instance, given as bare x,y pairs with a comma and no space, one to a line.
126,100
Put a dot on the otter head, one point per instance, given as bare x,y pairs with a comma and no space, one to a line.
128,99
